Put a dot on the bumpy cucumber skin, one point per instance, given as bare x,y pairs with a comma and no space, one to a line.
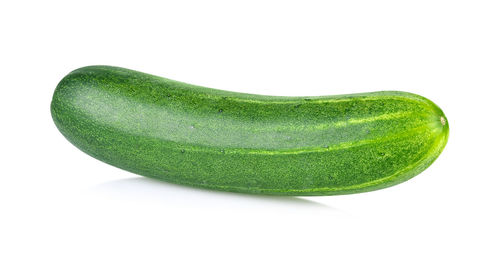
230,141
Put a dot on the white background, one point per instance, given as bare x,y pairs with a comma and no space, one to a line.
60,206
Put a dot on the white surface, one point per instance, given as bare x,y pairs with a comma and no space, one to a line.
60,206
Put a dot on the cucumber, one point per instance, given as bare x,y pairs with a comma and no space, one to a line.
230,141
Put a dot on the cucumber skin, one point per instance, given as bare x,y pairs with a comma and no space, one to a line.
223,140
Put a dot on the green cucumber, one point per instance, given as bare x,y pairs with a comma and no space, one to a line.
223,140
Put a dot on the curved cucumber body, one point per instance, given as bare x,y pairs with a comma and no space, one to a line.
224,140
